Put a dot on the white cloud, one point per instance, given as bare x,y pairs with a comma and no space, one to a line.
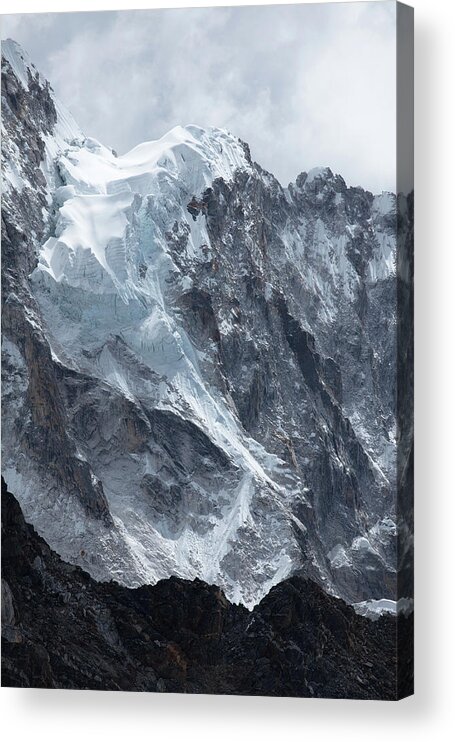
303,85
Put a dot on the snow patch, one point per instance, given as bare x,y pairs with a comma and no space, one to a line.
374,609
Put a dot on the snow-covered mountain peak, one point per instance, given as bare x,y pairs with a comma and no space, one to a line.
318,173
20,63
198,364
319,180
31,112
193,157
32,81
94,210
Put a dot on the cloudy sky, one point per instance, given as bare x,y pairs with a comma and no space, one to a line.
304,85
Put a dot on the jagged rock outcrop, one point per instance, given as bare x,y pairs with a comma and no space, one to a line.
61,629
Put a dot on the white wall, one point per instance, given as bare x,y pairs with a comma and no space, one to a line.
87,716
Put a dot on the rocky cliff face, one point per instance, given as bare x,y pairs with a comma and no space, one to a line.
61,629
200,365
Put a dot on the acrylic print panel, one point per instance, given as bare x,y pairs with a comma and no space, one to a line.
207,227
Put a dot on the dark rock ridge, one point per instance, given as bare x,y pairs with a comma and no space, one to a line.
61,629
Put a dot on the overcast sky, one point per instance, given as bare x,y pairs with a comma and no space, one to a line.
304,85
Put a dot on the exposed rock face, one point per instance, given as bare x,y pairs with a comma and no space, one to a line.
34,410
208,394
61,629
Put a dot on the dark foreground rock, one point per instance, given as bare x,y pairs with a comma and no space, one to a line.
61,629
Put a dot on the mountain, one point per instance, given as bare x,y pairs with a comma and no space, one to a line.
200,371
61,629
